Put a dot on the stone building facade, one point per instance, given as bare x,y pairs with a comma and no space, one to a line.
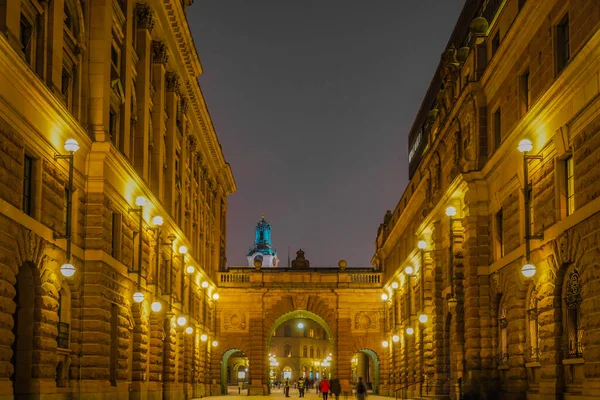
512,70
119,77
255,303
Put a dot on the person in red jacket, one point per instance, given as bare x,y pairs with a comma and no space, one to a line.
324,388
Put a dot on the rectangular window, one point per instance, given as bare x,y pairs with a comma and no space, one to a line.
499,235
525,92
113,126
562,44
570,185
497,129
116,236
66,87
495,43
26,38
27,185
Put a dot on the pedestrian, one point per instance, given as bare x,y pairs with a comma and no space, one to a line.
317,383
336,388
361,389
324,386
286,387
301,386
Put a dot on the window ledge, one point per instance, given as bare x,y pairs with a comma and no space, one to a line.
503,367
570,361
534,364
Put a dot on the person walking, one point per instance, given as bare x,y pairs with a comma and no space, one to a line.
361,389
301,386
317,385
336,388
324,386
286,387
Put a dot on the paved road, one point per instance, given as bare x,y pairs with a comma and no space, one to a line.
278,394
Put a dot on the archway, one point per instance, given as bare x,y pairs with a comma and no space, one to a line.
301,343
365,364
235,369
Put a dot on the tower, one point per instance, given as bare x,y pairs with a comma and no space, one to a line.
263,250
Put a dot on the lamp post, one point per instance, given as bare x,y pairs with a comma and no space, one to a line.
451,213
71,146
528,270
182,320
140,202
157,221
423,318
169,282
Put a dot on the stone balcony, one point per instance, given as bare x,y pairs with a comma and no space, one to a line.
316,278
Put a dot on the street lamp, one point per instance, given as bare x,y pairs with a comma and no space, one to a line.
384,296
410,330
385,343
451,213
528,270
157,222
395,338
215,296
394,285
71,146
204,284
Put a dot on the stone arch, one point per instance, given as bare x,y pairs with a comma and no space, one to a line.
224,361
374,357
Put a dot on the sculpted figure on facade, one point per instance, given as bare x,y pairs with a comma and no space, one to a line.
144,18
160,54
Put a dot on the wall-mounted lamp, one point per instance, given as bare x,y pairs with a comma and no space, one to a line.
385,343
410,330
395,338
215,343
204,284
157,222
451,213
215,296
183,251
528,270
190,269
394,285
384,296
71,146
204,337
189,330
140,202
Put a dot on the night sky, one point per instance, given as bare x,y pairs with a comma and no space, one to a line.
312,102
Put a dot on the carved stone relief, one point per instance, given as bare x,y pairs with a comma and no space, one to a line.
365,321
235,321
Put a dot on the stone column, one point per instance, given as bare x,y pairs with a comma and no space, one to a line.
140,351
344,351
172,87
257,356
169,356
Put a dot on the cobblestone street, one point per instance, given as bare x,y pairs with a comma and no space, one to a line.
278,393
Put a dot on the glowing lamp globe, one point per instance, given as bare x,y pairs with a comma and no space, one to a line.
190,269
181,320
300,325
452,303
385,343
408,270
189,330
423,318
410,330
450,211
140,201
421,244
156,306
394,285
67,270
525,145
204,284
528,270
204,337
215,296
71,145
215,343
395,338
183,250
138,297
384,296
157,220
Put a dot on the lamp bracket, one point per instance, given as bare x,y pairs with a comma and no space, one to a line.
135,210
58,236
536,237
62,156
533,157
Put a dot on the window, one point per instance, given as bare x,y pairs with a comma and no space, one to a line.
318,352
27,185
499,235
532,319
503,326
68,17
497,129
287,350
304,352
116,236
570,185
574,334
287,331
562,44
312,352
495,43
26,39
66,84
525,92
311,332
113,126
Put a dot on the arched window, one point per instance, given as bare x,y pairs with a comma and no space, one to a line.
304,352
532,326
318,352
311,332
287,350
287,331
503,334
312,352
574,333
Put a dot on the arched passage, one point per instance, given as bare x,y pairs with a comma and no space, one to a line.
230,373
293,352
365,364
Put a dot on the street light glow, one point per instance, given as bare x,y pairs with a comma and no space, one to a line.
183,250
140,201
410,330
181,320
67,269
395,338
189,330
300,325
204,284
215,296
384,296
408,270
204,337
528,270
71,145
156,306
385,343
394,285
190,269
157,220
525,145
450,211
421,244
423,318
